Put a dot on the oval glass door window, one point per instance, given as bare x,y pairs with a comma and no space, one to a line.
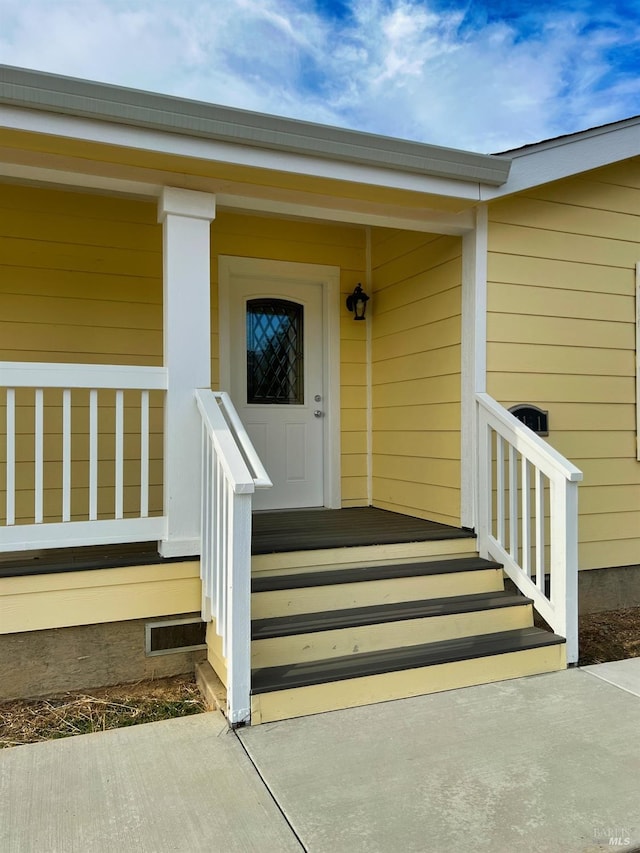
275,347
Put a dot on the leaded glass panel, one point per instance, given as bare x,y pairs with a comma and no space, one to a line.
275,363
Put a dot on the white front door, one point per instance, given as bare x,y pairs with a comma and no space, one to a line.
277,383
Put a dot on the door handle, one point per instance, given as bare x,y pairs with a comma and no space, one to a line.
318,413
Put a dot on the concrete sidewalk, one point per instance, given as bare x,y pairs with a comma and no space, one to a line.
548,764
182,785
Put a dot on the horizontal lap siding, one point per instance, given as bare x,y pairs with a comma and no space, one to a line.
80,282
416,316
313,243
561,335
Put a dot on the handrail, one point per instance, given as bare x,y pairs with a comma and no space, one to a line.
540,452
260,477
231,459
30,374
541,486
231,471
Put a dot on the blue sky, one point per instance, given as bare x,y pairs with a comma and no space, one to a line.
486,76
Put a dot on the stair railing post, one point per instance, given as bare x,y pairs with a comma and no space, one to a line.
239,610
564,561
483,482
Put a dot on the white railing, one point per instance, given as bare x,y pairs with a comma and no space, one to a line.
51,410
528,515
231,471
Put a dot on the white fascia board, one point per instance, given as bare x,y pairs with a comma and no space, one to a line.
164,142
567,157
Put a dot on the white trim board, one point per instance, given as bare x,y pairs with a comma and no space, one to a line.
123,136
474,358
566,157
329,278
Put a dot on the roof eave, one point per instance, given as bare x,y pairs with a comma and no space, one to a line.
100,101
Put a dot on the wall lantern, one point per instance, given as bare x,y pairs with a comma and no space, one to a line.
357,302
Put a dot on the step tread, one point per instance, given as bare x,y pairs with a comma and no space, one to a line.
329,577
269,679
309,623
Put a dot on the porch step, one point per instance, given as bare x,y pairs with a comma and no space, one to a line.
343,636
353,680
348,588
328,634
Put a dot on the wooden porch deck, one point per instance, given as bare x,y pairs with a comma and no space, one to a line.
273,532
311,529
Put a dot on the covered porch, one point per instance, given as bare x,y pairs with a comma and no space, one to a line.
101,431
126,371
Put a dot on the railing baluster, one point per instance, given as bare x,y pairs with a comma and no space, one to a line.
93,455
39,456
66,454
220,533
226,570
540,519
500,489
119,454
11,456
526,517
144,454
513,503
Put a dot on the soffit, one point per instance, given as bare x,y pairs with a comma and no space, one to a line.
144,172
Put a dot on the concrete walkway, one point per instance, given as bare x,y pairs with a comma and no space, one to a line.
548,764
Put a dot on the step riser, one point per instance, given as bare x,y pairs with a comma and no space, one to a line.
321,645
265,605
352,693
366,555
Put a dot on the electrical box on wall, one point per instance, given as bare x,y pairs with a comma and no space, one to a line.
536,419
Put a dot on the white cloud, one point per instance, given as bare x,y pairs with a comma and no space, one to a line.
399,67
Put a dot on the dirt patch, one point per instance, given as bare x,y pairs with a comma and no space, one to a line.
611,635
34,720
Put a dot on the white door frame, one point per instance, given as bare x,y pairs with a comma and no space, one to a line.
329,278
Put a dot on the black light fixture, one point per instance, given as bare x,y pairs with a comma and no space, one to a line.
357,302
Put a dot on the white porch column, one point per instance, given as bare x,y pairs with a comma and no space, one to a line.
186,221
474,357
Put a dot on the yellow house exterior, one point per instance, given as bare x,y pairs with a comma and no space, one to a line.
561,333
120,212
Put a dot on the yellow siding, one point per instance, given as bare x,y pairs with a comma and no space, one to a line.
314,243
416,317
37,602
81,281
561,335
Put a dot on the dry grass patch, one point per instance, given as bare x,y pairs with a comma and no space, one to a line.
78,713
608,636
